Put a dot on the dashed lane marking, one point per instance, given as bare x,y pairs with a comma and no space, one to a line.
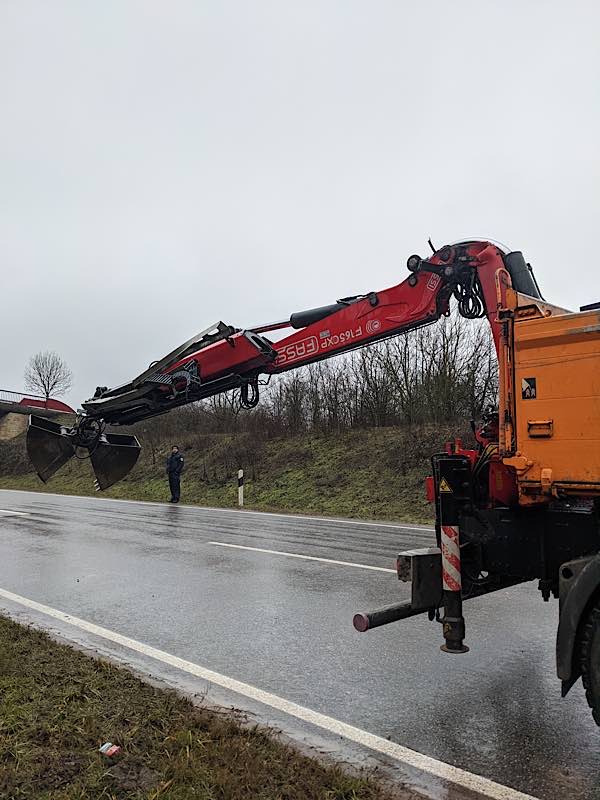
299,555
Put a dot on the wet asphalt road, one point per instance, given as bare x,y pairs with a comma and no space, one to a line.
283,624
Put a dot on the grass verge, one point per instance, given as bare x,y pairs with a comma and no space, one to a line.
366,474
58,706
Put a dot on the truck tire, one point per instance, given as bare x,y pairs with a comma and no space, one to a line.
590,659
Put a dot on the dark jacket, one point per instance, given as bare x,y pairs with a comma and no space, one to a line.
175,464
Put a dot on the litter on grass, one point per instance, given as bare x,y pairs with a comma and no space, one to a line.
109,749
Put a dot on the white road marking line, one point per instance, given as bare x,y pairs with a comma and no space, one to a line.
412,758
338,520
299,555
14,513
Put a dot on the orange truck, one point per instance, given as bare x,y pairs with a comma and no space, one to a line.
522,504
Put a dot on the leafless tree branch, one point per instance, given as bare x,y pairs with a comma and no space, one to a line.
48,374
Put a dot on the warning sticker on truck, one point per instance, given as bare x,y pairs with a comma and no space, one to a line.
528,389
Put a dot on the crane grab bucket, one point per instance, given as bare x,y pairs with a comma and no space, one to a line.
50,445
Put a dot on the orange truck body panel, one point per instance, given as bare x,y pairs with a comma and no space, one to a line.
556,362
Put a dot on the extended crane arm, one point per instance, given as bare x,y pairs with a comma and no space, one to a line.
223,357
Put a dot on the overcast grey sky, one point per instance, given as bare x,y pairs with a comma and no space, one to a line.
164,165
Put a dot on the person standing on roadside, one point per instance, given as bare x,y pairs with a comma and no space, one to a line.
174,470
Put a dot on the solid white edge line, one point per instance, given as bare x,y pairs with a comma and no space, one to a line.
338,520
14,513
446,772
299,555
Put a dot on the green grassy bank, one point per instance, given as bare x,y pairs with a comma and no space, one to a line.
58,706
373,474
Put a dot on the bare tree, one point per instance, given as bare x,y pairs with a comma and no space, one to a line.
48,374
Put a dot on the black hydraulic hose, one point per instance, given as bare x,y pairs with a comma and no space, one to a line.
249,394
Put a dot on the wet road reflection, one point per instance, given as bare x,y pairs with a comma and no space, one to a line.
284,625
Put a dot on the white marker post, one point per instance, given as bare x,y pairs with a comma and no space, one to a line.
240,487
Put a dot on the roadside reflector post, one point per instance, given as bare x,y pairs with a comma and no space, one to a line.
240,487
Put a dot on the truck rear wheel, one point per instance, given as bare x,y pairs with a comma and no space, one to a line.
590,659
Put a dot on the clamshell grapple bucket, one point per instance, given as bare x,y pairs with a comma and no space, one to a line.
50,445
